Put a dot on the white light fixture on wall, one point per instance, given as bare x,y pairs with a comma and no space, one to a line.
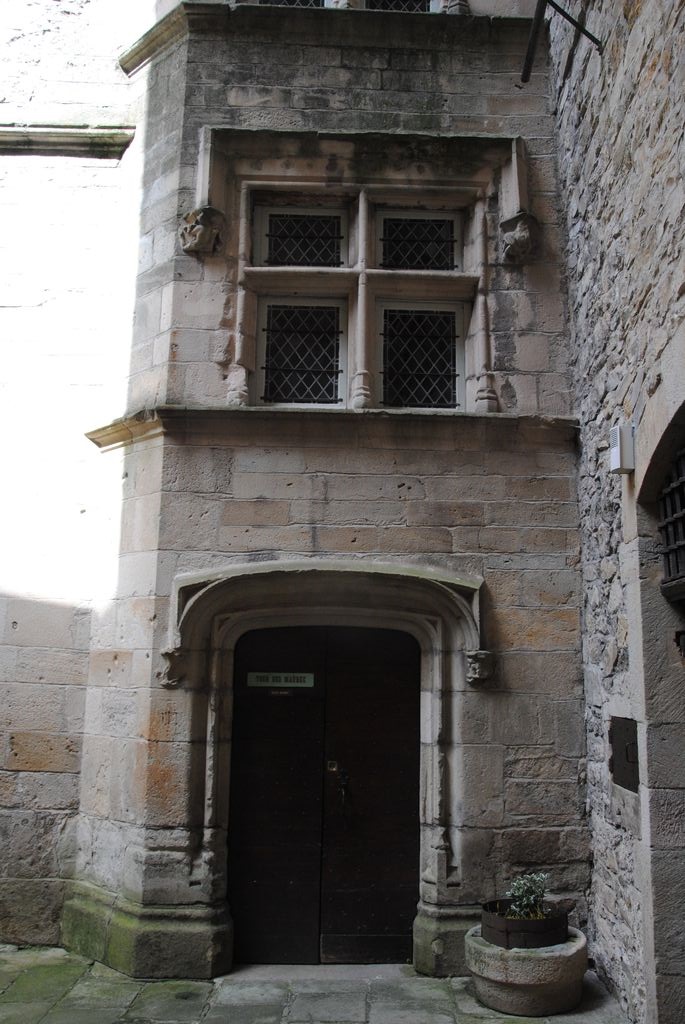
622,448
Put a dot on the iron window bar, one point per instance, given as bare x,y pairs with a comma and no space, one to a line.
304,240
302,354
672,522
418,243
419,359
406,6
292,3
538,17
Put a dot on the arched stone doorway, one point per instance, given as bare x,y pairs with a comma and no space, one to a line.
169,915
438,612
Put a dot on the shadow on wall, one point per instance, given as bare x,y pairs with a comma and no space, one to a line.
43,673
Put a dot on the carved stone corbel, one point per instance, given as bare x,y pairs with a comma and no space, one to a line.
479,667
520,230
203,232
520,237
183,668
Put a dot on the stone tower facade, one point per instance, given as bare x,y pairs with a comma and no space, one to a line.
389,303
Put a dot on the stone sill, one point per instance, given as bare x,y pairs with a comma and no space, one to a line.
165,420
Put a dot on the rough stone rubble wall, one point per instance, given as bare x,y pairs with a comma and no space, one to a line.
620,131
65,312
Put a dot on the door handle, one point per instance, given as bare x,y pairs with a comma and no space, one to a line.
343,778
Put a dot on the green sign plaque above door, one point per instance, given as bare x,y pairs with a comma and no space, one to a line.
283,679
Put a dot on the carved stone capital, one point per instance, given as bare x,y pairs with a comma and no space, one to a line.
203,231
457,7
520,237
479,667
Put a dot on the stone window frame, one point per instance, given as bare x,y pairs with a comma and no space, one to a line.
237,168
434,6
361,283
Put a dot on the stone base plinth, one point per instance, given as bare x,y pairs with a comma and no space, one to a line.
529,982
147,941
439,939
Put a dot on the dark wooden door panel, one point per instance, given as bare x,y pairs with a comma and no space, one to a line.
274,873
323,840
371,840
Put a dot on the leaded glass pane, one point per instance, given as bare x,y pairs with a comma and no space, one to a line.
419,358
412,243
304,240
293,3
302,362
672,525
398,5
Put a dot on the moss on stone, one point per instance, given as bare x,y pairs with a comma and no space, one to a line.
84,927
47,982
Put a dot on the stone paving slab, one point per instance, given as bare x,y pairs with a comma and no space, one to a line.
50,986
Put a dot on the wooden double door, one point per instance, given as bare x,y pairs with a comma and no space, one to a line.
324,835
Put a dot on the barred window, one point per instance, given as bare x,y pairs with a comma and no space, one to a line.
672,521
421,358
409,6
301,349
293,3
358,283
288,236
419,241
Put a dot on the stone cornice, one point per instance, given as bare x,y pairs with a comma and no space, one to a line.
169,30
205,16
104,142
184,421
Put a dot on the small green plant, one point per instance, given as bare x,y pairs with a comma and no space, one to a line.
527,896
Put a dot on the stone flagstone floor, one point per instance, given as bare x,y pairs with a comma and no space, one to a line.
50,986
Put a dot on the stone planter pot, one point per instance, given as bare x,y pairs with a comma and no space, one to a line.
529,982
516,933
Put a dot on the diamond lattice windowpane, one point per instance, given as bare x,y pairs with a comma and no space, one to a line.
419,358
398,5
413,243
293,3
302,361
304,240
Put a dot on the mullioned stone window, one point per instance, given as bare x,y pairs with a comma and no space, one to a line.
305,344
359,268
403,6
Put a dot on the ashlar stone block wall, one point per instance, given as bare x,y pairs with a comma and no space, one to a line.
258,72
225,489
620,122
208,487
